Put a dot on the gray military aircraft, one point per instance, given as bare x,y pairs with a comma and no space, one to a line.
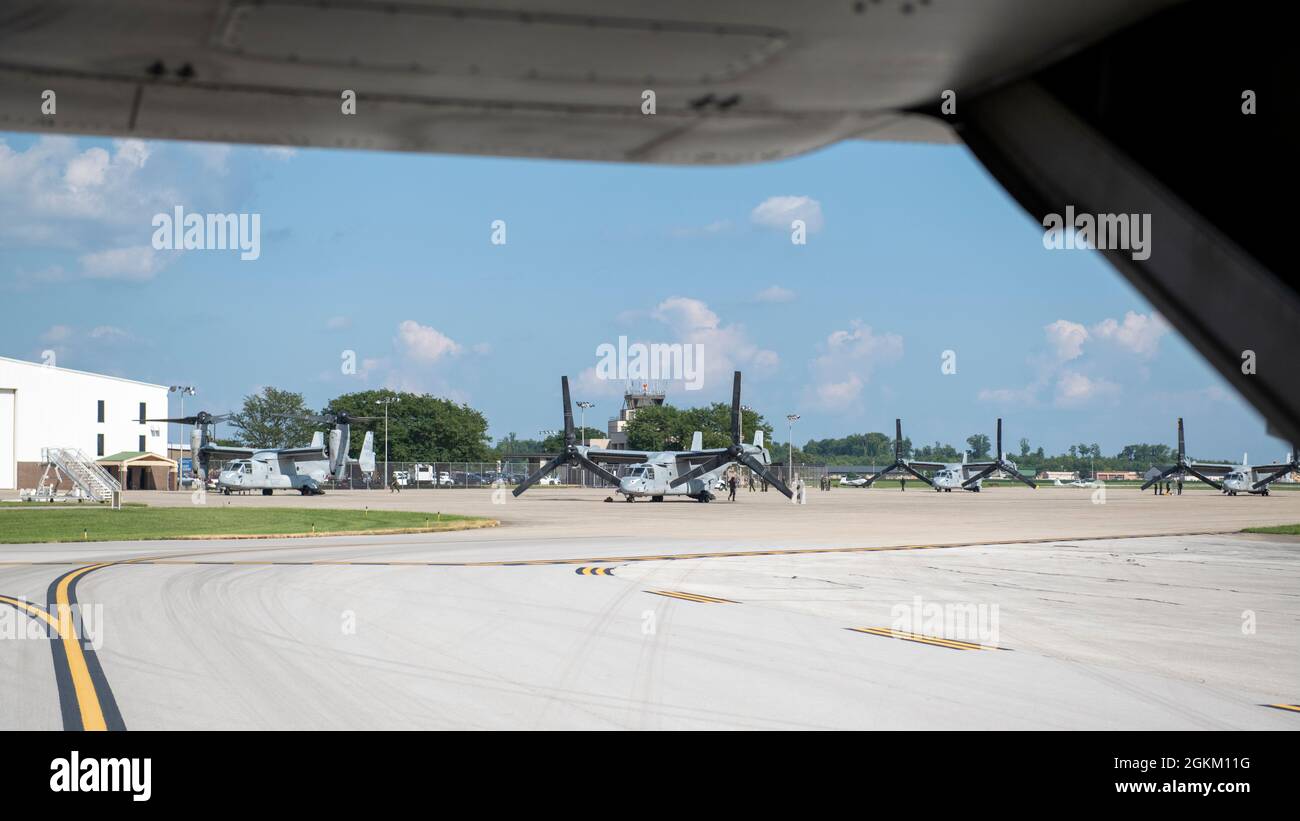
270,469
1183,467
656,474
1246,478
950,476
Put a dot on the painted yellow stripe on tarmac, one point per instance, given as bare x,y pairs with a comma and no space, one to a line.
938,641
1295,708
695,597
92,716
31,609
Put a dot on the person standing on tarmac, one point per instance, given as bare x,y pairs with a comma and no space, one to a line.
731,486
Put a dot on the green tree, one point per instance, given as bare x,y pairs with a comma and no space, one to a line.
273,419
555,442
1024,448
979,446
664,427
421,427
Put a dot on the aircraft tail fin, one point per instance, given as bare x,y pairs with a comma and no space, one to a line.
318,440
697,441
758,438
367,458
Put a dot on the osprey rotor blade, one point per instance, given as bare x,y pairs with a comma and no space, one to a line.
1207,480
735,409
1006,468
871,480
1270,479
542,471
898,441
1163,474
916,473
762,470
569,436
596,469
707,466
977,477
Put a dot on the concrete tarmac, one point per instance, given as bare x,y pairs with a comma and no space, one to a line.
581,614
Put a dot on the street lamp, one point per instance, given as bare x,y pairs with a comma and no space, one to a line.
386,402
183,390
583,423
790,418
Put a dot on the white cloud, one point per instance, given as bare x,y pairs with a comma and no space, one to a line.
1075,385
87,170
1066,339
845,368
779,212
215,157
1074,388
108,333
137,264
57,333
774,294
1138,333
423,343
338,323
726,348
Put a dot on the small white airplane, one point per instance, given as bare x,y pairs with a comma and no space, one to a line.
860,481
1086,483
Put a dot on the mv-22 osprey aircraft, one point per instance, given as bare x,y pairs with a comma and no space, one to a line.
656,474
271,469
950,476
1236,478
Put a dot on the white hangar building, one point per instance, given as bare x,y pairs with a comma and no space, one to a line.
42,406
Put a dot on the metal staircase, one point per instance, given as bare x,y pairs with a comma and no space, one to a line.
89,479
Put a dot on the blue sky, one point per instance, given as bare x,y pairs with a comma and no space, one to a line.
912,250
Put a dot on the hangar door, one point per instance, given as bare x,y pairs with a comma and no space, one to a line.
7,464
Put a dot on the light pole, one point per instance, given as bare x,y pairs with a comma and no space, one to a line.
183,390
790,418
583,423
386,402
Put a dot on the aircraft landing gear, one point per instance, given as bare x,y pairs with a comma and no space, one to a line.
705,497
656,498
266,491
630,498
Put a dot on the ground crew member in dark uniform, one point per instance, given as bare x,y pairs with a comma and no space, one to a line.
731,485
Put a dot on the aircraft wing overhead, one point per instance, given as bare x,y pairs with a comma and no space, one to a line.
734,81
928,465
1269,468
617,457
228,453
296,453
1213,469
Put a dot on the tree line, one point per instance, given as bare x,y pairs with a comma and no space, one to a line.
425,428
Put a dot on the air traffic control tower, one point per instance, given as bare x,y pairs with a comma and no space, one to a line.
637,395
